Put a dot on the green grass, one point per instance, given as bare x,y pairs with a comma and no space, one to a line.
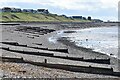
29,17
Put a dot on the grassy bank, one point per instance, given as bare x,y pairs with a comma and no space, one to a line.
29,17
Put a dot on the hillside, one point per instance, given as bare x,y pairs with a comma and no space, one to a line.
8,16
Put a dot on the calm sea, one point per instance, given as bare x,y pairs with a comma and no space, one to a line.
103,39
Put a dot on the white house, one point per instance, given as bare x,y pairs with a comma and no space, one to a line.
43,11
29,10
16,10
6,9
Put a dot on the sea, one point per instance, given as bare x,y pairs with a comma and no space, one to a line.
100,39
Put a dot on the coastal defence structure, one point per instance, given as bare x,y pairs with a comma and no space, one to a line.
73,68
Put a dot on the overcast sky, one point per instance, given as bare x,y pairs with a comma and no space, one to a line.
101,9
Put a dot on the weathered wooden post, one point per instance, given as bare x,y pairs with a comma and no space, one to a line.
45,60
82,58
111,68
26,45
8,48
90,68
21,58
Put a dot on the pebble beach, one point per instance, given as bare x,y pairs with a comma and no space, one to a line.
27,52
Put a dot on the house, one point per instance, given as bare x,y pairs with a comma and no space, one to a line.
97,20
24,10
29,10
6,9
34,11
89,18
77,17
43,11
16,10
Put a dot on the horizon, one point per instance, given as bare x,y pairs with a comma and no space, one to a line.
100,9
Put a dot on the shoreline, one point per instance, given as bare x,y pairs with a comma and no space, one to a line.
65,40
99,55
95,54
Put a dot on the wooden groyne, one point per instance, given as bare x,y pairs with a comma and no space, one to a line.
28,52
14,44
9,59
56,50
73,68
17,44
100,61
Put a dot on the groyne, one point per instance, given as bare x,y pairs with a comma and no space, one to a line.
73,68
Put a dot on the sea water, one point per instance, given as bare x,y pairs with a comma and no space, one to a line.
102,39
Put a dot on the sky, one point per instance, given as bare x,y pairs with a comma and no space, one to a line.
97,9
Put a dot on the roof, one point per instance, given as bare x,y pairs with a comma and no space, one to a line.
40,10
7,8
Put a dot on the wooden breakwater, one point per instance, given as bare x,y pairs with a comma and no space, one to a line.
17,44
73,68
56,50
100,61
29,52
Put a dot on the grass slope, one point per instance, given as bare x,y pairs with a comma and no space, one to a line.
8,16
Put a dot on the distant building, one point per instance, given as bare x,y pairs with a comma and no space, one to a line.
77,17
89,18
34,11
24,10
43,11
6,9
16,10
97,20
29,10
